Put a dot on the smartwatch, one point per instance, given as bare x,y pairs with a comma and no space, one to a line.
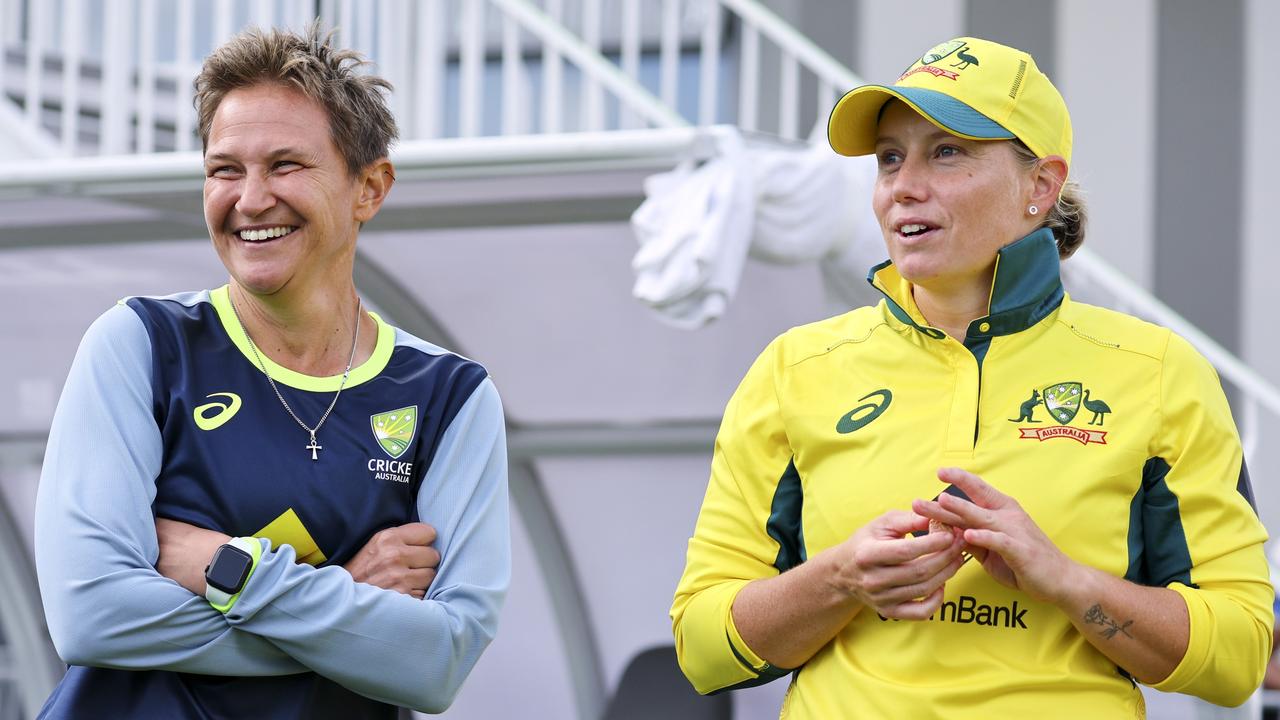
232,565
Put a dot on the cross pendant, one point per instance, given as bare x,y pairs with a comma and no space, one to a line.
313,447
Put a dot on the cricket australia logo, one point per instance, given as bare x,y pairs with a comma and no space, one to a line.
944,51
941,50
1062,402
394,431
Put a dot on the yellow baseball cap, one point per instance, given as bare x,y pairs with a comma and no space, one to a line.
970,87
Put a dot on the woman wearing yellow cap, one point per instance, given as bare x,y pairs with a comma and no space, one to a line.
1096,529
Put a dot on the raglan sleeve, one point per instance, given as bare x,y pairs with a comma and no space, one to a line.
96,548
384,644
747,529
1203,536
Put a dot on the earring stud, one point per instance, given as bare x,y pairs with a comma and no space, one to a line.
1033,210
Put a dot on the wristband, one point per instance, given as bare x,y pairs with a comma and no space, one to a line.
231,557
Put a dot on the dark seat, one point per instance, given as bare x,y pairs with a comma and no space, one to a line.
652,686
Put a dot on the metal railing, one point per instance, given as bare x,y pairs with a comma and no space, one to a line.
112,77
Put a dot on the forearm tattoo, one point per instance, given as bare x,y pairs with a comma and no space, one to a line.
1095,616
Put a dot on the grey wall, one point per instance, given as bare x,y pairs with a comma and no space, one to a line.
1017,23
1199,149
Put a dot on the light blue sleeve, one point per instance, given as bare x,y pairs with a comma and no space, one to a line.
390,646
96,544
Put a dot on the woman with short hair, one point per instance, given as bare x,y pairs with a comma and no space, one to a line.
263,501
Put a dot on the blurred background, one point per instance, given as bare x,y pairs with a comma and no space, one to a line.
528,130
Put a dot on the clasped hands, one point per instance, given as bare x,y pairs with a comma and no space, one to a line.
903,577
398,558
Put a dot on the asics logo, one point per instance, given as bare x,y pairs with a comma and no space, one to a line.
214,415
862,415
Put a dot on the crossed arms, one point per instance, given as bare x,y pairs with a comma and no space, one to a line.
107,605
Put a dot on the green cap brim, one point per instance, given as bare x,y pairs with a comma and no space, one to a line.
851,130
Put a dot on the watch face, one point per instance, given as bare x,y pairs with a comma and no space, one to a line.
229,569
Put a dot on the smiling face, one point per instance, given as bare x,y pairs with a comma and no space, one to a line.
946,204
281,207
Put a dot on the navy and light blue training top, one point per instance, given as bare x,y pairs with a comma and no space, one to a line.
166,414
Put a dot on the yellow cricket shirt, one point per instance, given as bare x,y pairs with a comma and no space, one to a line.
1112,433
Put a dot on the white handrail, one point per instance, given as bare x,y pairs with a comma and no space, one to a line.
184,137
514,105
115,79
788,96
429,58
148,82
748,102
70,78
552,74
35,61
795,43
666,145
15,128
471,76
1249,435
606,73
630,54
147,76
593,95
669,52
709,62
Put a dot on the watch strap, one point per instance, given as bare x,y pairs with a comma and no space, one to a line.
223,601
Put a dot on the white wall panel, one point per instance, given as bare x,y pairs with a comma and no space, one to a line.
627,522
1260,251
525,666
1106,73
549,312
1261,190
892,35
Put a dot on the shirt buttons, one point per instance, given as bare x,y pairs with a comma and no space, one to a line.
984,327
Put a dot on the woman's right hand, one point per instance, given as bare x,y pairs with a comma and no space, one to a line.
894,573
398,558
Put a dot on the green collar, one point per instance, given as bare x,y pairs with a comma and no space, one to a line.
1025,290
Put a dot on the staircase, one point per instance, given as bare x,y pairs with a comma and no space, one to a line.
462,68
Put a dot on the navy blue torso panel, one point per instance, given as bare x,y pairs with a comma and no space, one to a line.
249,470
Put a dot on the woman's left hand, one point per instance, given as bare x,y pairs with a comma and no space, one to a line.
185,551
1008,543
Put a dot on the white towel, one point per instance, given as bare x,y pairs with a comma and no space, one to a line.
698,224
694,228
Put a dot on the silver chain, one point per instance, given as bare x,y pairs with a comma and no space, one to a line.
355,341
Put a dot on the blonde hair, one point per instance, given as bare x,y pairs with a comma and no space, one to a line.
361,125
1068,216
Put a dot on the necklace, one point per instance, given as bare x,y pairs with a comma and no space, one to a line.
355,341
